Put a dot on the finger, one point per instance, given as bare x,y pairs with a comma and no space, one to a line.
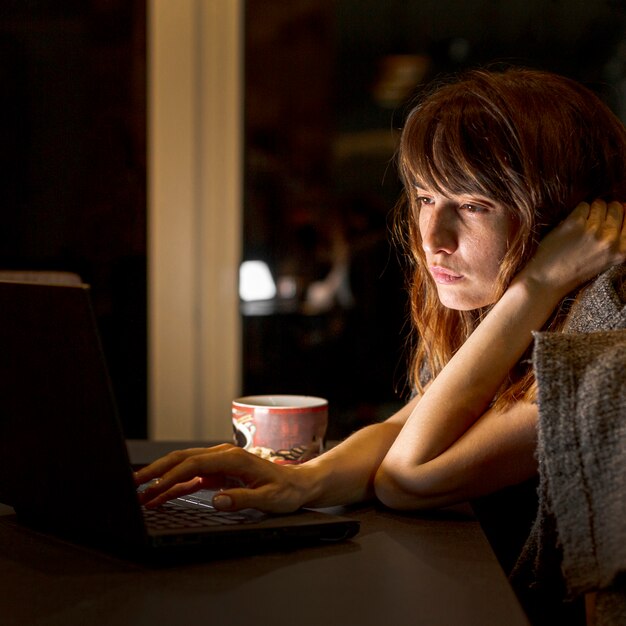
160,466
581,211
614,231
181,476
154,495
151,500
597,213
166,463
212,466
261,498
614,218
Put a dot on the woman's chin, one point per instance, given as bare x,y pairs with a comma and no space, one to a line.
459,301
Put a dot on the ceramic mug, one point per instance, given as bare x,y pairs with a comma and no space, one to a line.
286,429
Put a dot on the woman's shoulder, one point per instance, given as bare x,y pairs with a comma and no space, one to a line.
602,304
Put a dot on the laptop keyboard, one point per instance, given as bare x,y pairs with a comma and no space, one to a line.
173,515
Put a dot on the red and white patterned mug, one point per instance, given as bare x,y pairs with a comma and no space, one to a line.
286,429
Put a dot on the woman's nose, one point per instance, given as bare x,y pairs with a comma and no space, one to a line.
438,232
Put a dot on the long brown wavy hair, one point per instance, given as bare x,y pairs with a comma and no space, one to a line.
537,143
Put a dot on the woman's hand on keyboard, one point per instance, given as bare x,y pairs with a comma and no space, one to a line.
242,479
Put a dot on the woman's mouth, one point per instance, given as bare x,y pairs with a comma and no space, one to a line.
444,276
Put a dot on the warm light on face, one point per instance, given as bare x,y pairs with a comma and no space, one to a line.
256,282
464,239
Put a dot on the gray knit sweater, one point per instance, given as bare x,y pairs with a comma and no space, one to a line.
579,535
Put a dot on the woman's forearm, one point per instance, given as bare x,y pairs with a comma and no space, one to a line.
345,474
426,465
495,452
461,393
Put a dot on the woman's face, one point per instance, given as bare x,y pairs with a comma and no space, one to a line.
464,238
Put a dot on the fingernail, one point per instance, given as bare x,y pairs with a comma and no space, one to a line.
222,501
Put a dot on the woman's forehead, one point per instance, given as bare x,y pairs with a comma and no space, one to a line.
450,186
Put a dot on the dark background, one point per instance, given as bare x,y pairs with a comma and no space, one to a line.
73,164
327,84
321,133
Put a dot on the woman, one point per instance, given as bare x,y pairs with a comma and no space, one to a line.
490,163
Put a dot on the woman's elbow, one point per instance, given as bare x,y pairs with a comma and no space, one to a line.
387,489
402,489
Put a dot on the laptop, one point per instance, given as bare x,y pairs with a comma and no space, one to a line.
64,464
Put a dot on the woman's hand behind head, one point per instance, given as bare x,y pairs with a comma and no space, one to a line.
589,241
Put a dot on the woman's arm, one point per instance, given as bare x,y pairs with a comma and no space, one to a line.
415,473
495,452
346,473
342,475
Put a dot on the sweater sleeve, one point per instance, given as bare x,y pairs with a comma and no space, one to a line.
578,540
582,451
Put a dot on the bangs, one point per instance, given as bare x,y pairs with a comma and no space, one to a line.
457,145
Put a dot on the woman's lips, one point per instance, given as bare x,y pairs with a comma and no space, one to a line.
444,276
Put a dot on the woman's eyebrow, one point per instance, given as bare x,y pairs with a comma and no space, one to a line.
478,198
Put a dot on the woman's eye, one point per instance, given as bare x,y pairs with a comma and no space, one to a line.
424,200
474,208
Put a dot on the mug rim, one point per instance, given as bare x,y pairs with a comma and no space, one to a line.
281,402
